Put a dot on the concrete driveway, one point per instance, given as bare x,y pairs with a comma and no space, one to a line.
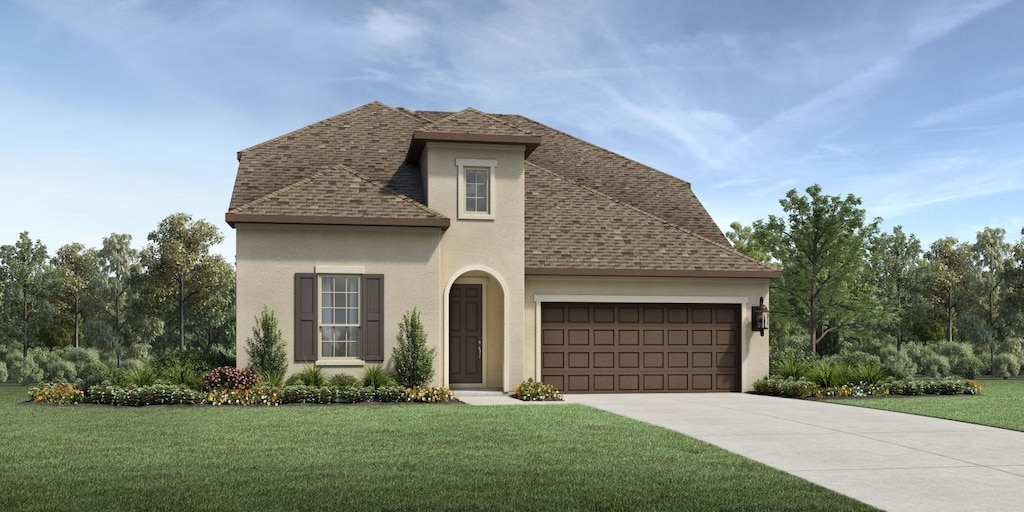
893,461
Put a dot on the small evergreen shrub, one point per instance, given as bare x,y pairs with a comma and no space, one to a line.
23,370
414,361
829,372
897,364
182,375
962,359
868,372
259,395
144,375
137,396
376,376
534,390
91,368
791,366
229,377
54,365
342,381
266,347
788,387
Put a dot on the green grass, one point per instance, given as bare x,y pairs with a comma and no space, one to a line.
365,457
1001,404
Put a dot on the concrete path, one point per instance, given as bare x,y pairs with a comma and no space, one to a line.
893,461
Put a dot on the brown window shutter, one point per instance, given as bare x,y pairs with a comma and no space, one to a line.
373,318
305,318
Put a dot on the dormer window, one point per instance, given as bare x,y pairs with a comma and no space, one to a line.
476,188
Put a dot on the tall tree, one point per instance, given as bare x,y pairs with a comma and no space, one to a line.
991,256
119,274
894,261
75,269
948,262
179,264
743,239
26,271
821,246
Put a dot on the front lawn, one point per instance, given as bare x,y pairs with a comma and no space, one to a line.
372,457
1000,405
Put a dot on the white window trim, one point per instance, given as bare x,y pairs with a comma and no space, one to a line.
322,360
467,163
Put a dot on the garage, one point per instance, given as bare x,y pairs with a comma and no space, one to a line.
640,348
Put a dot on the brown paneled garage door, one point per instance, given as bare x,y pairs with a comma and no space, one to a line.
640,348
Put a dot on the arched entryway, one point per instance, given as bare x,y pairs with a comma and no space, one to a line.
475,351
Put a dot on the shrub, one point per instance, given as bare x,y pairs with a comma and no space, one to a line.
275,379
190,358
53,364
868,372
1005,366
829,373
857,358
931,364
3,372
309,376
59,393
389,394
91,368
144,375
23,370
301,394
229,377
259,395
788,387
794,347
428,395
136,396
376,376
897,364
266,347
962,360
535,390
414,361
182,375
791,366
342,381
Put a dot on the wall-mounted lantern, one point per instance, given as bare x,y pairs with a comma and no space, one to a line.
759,317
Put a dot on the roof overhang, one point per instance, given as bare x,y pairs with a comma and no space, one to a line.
420,140
242,218
591,272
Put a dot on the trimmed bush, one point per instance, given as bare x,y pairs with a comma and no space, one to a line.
137,396
803,389
534,390
787,387
259,395
342,381
389,394
229,377
428,395
414,361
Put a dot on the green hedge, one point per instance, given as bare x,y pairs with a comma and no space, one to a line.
798,388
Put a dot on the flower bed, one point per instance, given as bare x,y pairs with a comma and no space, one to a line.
798,388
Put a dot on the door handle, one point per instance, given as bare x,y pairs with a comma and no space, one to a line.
480,349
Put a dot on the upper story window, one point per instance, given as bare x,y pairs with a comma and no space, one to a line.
476,188
339,316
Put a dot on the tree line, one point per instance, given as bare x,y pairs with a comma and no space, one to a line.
126,302
846,286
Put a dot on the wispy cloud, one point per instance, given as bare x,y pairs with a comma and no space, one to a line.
972,108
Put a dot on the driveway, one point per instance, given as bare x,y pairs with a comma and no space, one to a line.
893,461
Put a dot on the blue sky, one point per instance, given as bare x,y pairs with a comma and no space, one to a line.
115,114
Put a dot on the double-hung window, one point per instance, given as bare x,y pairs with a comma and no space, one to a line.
339,316
476,188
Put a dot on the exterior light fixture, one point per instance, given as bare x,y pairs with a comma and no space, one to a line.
759,317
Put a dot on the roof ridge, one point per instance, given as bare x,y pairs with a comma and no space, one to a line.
411,114
318,123
484,114
647,214
599,148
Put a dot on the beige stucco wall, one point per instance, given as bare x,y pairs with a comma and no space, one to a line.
493,248
747,292
269,256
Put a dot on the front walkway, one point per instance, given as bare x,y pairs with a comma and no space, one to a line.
893,461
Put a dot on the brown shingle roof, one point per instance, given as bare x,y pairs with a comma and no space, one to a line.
574,229
588,210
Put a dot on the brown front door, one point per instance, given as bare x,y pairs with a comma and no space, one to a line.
465,334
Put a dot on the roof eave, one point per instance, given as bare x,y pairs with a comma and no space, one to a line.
599,272
420,139
243,218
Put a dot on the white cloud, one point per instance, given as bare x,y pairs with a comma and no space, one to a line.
972,108
393,29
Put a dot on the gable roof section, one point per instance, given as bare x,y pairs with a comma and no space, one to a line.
575,230
337,196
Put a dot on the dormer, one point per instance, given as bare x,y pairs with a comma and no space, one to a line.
470,163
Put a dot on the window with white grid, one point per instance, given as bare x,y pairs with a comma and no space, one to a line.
339,316
476,188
